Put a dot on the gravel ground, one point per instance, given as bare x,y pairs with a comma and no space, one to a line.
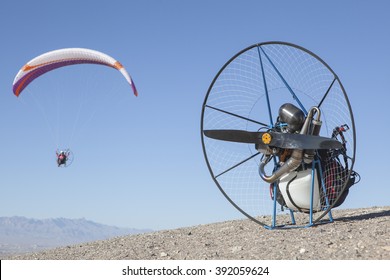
355,234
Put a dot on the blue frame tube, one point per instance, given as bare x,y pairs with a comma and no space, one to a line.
274,212
265,87
285,83
312,192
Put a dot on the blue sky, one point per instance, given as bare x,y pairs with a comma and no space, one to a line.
139,161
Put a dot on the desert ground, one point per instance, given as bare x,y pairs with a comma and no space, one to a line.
355,234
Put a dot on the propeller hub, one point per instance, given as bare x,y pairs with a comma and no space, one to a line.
266,138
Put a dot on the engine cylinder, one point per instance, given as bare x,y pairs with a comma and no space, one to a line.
293,116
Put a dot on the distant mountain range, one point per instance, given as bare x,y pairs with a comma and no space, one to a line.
20,235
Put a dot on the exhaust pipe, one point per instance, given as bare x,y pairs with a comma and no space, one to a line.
291,164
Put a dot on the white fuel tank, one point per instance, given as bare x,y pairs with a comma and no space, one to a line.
296,190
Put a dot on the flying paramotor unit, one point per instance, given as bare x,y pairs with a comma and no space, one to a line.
278,134
52,60
64,157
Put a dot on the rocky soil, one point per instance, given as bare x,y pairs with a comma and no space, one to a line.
355,234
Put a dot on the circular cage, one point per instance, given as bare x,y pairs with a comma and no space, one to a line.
246,95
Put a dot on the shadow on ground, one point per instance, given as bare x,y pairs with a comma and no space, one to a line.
366,216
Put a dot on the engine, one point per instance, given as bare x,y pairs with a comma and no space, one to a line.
291,119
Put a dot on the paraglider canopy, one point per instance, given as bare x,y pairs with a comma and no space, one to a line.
64,57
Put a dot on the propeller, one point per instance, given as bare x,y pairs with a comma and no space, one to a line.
275,139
